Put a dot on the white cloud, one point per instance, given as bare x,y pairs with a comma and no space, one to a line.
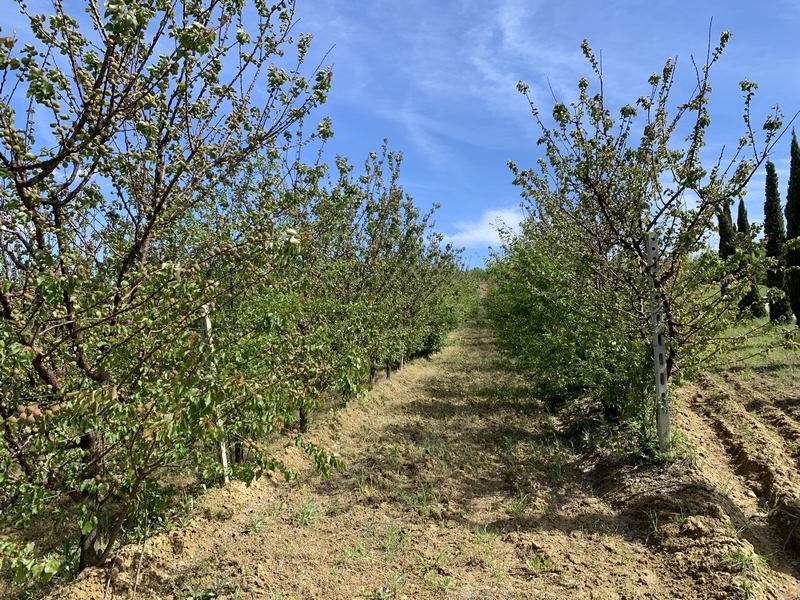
483,231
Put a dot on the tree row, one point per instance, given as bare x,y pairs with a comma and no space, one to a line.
176,284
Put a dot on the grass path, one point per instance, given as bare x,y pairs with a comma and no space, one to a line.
458,485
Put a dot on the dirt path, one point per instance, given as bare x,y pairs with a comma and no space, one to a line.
459,485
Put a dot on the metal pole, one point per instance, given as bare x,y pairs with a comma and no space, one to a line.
659,344
222,447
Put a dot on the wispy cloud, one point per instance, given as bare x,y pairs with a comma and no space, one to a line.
483,232
439,79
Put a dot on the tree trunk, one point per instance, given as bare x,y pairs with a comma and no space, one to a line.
91,551
303,420
388,369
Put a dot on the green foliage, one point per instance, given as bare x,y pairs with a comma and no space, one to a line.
21,561
774,239
109,258
549,324
752,303
727,232
571,292
742,222
307,513
170,279
793,227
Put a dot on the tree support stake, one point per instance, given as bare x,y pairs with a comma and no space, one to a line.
659,344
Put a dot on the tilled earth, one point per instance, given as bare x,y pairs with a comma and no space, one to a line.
460,484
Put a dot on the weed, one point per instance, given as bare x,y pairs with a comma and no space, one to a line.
497,567
770,509
334,507
745,588
300,575
682,518
307,512
422,502
382,593
70,551
257,523
197,591
358,552
426,566
518,507
438,582
623,557
482,536
737,531
536,564
567,583
436,445
652,516
509,441
276,509
394,583
557,471
742,562
361,484
394,450
393,540
218,513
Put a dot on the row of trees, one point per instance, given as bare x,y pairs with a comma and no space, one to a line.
785,274
752,302
571,294
174,278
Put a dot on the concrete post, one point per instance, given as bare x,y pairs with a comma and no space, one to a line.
659,344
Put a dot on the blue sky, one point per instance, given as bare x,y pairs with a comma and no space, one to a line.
438,79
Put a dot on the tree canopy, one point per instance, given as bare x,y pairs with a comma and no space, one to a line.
572,292
174,277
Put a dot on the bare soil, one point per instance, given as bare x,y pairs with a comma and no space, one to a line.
460,484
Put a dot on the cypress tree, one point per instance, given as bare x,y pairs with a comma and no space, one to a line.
727,233
742,223
752,301
775,235
793,227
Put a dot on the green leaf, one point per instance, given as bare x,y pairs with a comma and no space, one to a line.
89,525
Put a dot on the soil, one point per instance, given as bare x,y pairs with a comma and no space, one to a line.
460,484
